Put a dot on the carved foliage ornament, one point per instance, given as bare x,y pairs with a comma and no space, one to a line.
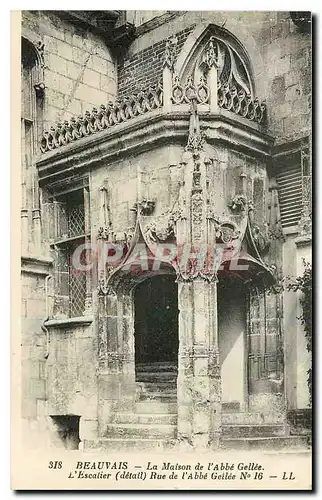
238,204
160,231
144,207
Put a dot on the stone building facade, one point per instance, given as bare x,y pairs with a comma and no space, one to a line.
166,182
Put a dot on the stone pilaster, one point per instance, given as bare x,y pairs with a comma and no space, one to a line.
198,371
116,370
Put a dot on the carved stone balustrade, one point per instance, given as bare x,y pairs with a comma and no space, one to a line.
216,79
102,118
242,104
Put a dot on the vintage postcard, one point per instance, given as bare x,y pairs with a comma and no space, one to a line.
163,230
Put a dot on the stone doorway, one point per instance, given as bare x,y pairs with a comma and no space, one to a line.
156,337
232,328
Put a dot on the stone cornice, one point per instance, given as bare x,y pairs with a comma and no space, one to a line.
69,322
144,133
35,265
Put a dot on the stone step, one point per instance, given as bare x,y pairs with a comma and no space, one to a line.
252,418
158,396
157,367
144,418
141,431
155,407
156,377
164,387
265,443
250,430
115,444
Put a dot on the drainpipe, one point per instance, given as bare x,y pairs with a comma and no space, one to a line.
43,326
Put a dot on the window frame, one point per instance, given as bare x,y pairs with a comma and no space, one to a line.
64,244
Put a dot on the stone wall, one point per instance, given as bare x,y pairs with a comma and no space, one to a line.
287,57
121,177
79,68
71,369
33,351
297,358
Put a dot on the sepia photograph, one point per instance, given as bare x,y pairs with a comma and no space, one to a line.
165,239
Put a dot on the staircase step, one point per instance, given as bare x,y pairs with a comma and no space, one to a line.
156,407
164,387
251,418
110,444
144,418
147,376
265,443
157,396
141,431
250,430
160,366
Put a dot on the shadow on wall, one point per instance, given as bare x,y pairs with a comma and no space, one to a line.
66,428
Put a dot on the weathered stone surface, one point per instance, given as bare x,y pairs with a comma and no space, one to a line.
90,370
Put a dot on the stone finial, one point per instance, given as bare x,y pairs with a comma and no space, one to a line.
195,138
169,53
210,56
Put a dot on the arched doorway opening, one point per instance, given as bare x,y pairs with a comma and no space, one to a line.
156,336
232,330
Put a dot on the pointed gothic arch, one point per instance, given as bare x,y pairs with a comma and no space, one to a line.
234,64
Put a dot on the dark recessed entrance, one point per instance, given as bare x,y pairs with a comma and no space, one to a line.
156,325
232,308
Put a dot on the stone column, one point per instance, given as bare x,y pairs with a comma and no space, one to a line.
199,384
116,371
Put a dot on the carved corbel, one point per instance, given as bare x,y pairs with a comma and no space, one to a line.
238,204
40,90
